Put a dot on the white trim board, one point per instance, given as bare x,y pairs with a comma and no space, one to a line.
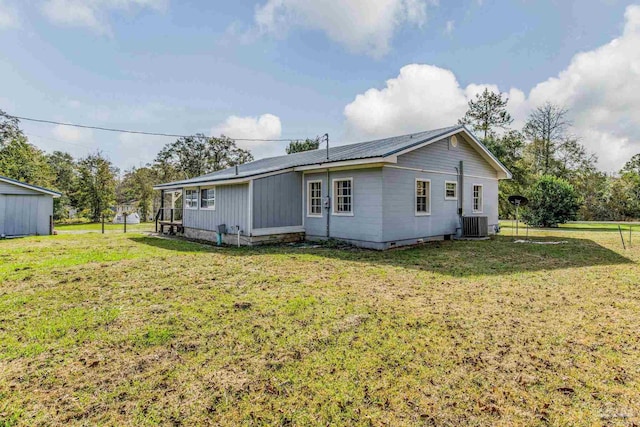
308,198
439,172
334,198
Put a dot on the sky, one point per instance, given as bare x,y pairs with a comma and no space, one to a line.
271,69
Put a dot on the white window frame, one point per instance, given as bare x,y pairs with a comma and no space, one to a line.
334,198
455,197
186,199
415,197
473,198
309,198
215,195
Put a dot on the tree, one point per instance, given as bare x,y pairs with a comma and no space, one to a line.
632,166
197,155
65,174
96,185
552,201
24,162
573,161
137,184
9,128
509,149
300,146
546,129
486,112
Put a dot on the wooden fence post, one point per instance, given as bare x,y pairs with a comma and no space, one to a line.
103,224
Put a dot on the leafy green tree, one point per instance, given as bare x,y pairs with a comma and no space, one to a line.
552,201
632,166
300,146
96,185
25,162
487,112
572,161
65,181
137,184
197,155
509,150
9,128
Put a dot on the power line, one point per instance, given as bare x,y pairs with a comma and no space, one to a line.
137,132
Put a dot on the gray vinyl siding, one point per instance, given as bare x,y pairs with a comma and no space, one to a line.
438,156
2,212
232,208
277,201
366,223
400,219
437,162
490,197
25,214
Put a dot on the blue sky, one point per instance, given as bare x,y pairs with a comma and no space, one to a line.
356,69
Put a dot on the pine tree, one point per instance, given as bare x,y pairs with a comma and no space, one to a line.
487,112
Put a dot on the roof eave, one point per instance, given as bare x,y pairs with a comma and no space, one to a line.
52,193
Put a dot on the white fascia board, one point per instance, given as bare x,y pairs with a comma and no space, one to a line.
349,164
243,180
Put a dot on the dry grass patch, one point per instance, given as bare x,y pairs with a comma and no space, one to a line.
136,330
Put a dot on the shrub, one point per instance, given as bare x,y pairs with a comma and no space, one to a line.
552,201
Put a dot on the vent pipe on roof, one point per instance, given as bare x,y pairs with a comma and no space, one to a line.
236,169
326,139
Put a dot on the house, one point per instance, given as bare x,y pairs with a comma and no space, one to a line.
378,194
25,209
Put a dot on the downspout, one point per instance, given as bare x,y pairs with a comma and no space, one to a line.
461,197
328,200
328,204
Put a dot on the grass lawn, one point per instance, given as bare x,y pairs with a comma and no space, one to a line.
130,329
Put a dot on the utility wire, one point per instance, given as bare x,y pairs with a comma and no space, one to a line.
29,119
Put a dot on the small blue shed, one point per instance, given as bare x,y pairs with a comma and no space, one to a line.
25,209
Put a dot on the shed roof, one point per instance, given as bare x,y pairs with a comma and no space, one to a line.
29,186
379,148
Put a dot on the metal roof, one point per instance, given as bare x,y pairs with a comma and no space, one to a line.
30,187
361,150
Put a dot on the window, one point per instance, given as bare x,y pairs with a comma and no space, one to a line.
343,196
423,197
191,199
477,198
208,198
314,198
450,190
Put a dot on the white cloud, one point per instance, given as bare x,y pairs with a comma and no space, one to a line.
8,17
137,150
93,14
71,134
421,97
365,26
449,27
266,126
600,88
